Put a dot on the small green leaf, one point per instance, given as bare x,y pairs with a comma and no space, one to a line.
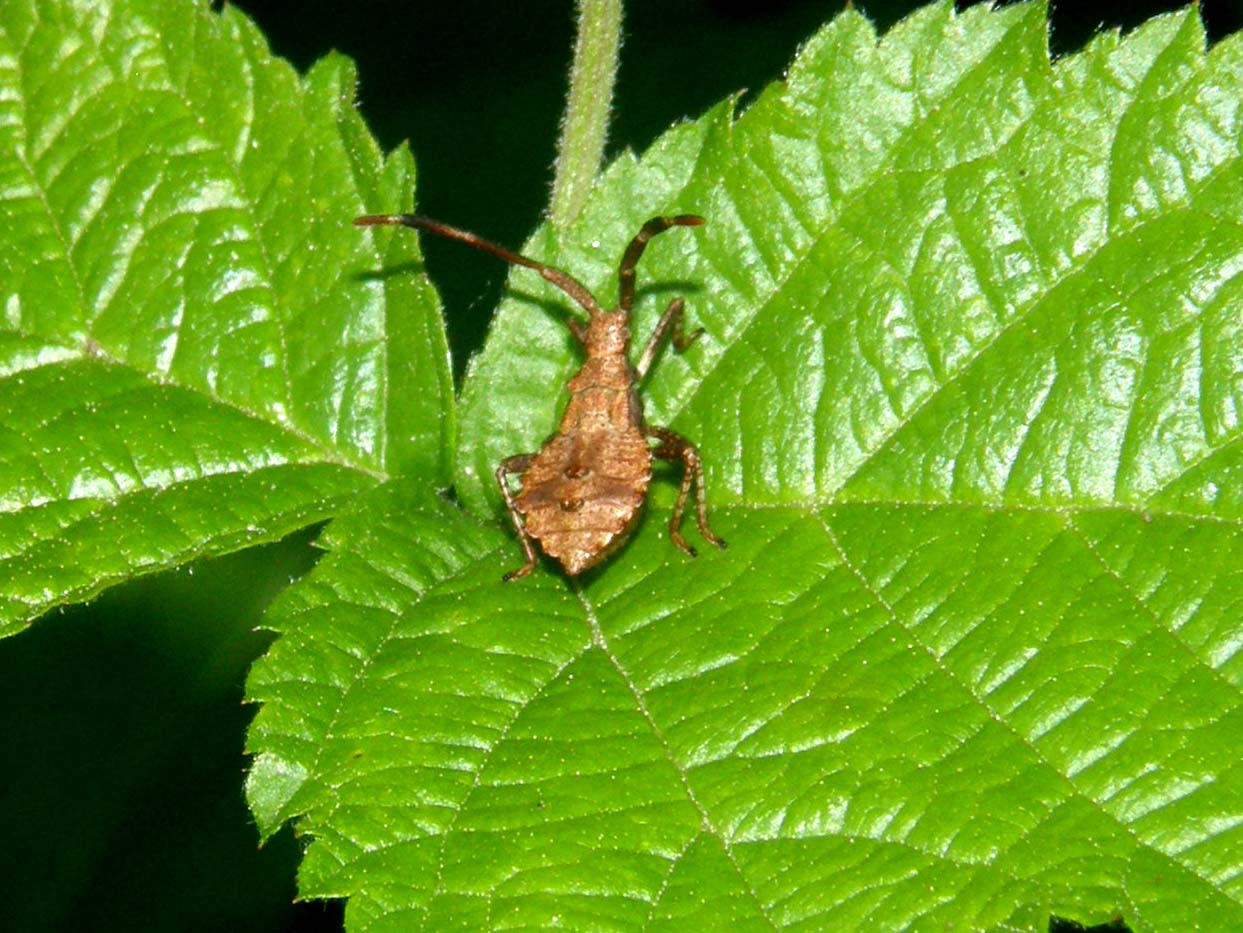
196,349
968,399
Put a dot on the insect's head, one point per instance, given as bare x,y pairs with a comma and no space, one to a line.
607,332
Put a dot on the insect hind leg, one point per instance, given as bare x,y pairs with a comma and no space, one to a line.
675,447
510,466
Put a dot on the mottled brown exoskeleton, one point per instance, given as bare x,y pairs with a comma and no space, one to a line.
580,495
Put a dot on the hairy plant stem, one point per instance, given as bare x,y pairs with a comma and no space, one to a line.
585,125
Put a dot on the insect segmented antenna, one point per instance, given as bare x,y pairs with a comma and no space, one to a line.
563,280
630,259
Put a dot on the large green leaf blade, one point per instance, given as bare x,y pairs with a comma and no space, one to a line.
967,399
84,506
826,725
177,248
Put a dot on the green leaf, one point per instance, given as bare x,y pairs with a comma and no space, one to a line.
969,404
196,349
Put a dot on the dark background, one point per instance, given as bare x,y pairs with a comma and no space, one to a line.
120,792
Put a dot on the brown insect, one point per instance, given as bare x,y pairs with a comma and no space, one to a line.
580,495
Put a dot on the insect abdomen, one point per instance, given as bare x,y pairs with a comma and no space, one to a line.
581,496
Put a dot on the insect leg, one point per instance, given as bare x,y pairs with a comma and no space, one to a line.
670,320
510,465
675,447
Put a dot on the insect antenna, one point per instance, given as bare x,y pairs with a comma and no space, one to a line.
563,280
630,259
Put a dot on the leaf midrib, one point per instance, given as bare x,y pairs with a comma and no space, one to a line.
327,454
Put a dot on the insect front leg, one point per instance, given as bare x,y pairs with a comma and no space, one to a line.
675,447
671,319
510,466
